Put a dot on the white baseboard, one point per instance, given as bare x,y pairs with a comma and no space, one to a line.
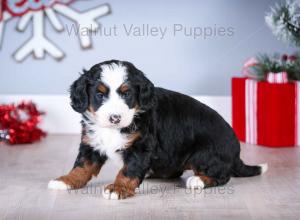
60,118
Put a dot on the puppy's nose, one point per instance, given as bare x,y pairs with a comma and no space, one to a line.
115,119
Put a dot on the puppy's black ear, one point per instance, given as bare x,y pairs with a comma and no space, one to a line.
78,94
144,87
146,94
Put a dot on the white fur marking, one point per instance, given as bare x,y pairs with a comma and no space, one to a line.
114,195
107,141
58,185
114,76
194,182
264,167
109,195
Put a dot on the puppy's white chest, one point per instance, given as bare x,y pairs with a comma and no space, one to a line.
108,141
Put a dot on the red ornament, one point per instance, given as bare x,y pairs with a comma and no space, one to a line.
292,58
18,123
284,57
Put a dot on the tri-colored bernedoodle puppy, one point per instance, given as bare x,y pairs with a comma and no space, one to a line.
148,130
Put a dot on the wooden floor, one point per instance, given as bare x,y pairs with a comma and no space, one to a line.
26,170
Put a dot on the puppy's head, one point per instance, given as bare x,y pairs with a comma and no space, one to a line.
112,93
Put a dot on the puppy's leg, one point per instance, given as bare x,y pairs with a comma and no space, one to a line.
87,165
214,173
129,177
136,160
123,187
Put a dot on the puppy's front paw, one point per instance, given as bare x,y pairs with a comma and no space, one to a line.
194,182
113,192
66,182
58,185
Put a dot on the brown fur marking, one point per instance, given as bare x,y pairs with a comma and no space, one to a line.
123,186
91,110
79,176
84,138
132,138
102,88
123,88
208,181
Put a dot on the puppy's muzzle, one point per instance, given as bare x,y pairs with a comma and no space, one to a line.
115,119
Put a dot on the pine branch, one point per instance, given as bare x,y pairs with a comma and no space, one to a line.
276,64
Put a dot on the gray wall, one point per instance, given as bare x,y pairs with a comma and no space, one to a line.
193,66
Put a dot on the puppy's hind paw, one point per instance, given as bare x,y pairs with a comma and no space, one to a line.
263,167
58,185
194,182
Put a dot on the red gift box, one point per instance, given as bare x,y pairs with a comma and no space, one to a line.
266,113
1,11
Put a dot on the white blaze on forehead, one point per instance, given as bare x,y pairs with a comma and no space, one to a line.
113,75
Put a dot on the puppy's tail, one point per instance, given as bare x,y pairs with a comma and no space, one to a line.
242,170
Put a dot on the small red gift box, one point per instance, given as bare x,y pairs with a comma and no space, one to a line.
266,113
1,11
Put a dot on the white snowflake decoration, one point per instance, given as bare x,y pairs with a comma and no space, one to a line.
37,11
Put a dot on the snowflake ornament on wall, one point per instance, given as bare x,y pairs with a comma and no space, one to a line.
36,11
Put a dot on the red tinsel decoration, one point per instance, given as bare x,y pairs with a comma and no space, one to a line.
18,123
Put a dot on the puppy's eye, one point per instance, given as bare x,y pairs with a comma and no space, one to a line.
99,95
125,94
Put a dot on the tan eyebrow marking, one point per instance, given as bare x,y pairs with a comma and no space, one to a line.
102,88
124,88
